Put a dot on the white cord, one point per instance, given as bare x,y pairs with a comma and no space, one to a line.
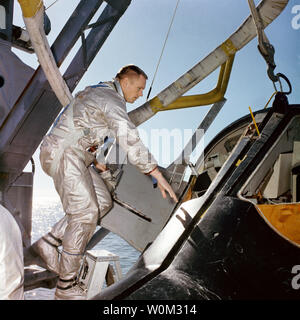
167,36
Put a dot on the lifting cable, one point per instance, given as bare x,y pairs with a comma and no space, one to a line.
162,51
267,50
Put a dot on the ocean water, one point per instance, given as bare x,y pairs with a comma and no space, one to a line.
44,216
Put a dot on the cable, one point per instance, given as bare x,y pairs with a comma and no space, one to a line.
270,99
163,48
51,5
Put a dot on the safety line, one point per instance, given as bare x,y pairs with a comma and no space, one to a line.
167,36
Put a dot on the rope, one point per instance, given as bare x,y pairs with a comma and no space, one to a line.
163,48
51,5
270,99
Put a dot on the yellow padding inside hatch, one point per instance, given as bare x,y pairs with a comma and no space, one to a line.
285,218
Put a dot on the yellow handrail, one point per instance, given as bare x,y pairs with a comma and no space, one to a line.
210,97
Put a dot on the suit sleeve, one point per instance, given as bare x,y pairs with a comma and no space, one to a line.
127,135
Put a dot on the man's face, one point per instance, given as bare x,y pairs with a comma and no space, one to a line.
133,87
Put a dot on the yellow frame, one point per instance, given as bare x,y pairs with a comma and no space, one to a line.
210,97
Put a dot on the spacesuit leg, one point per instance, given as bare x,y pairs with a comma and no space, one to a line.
75,187
102,193
76,238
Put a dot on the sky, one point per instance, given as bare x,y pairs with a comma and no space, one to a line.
198,28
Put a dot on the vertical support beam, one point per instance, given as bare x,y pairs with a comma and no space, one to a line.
72,30
94,41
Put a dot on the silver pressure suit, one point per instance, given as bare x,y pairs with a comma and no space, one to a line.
95,113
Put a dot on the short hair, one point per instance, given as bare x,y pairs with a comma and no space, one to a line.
130,69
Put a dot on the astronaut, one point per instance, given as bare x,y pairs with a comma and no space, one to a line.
67,153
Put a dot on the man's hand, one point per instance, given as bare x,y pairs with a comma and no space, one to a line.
100,166
163,185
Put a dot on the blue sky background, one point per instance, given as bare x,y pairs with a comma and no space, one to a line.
199,27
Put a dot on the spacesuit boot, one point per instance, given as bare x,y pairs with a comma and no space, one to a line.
74,243
47,248
70,292
67,287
